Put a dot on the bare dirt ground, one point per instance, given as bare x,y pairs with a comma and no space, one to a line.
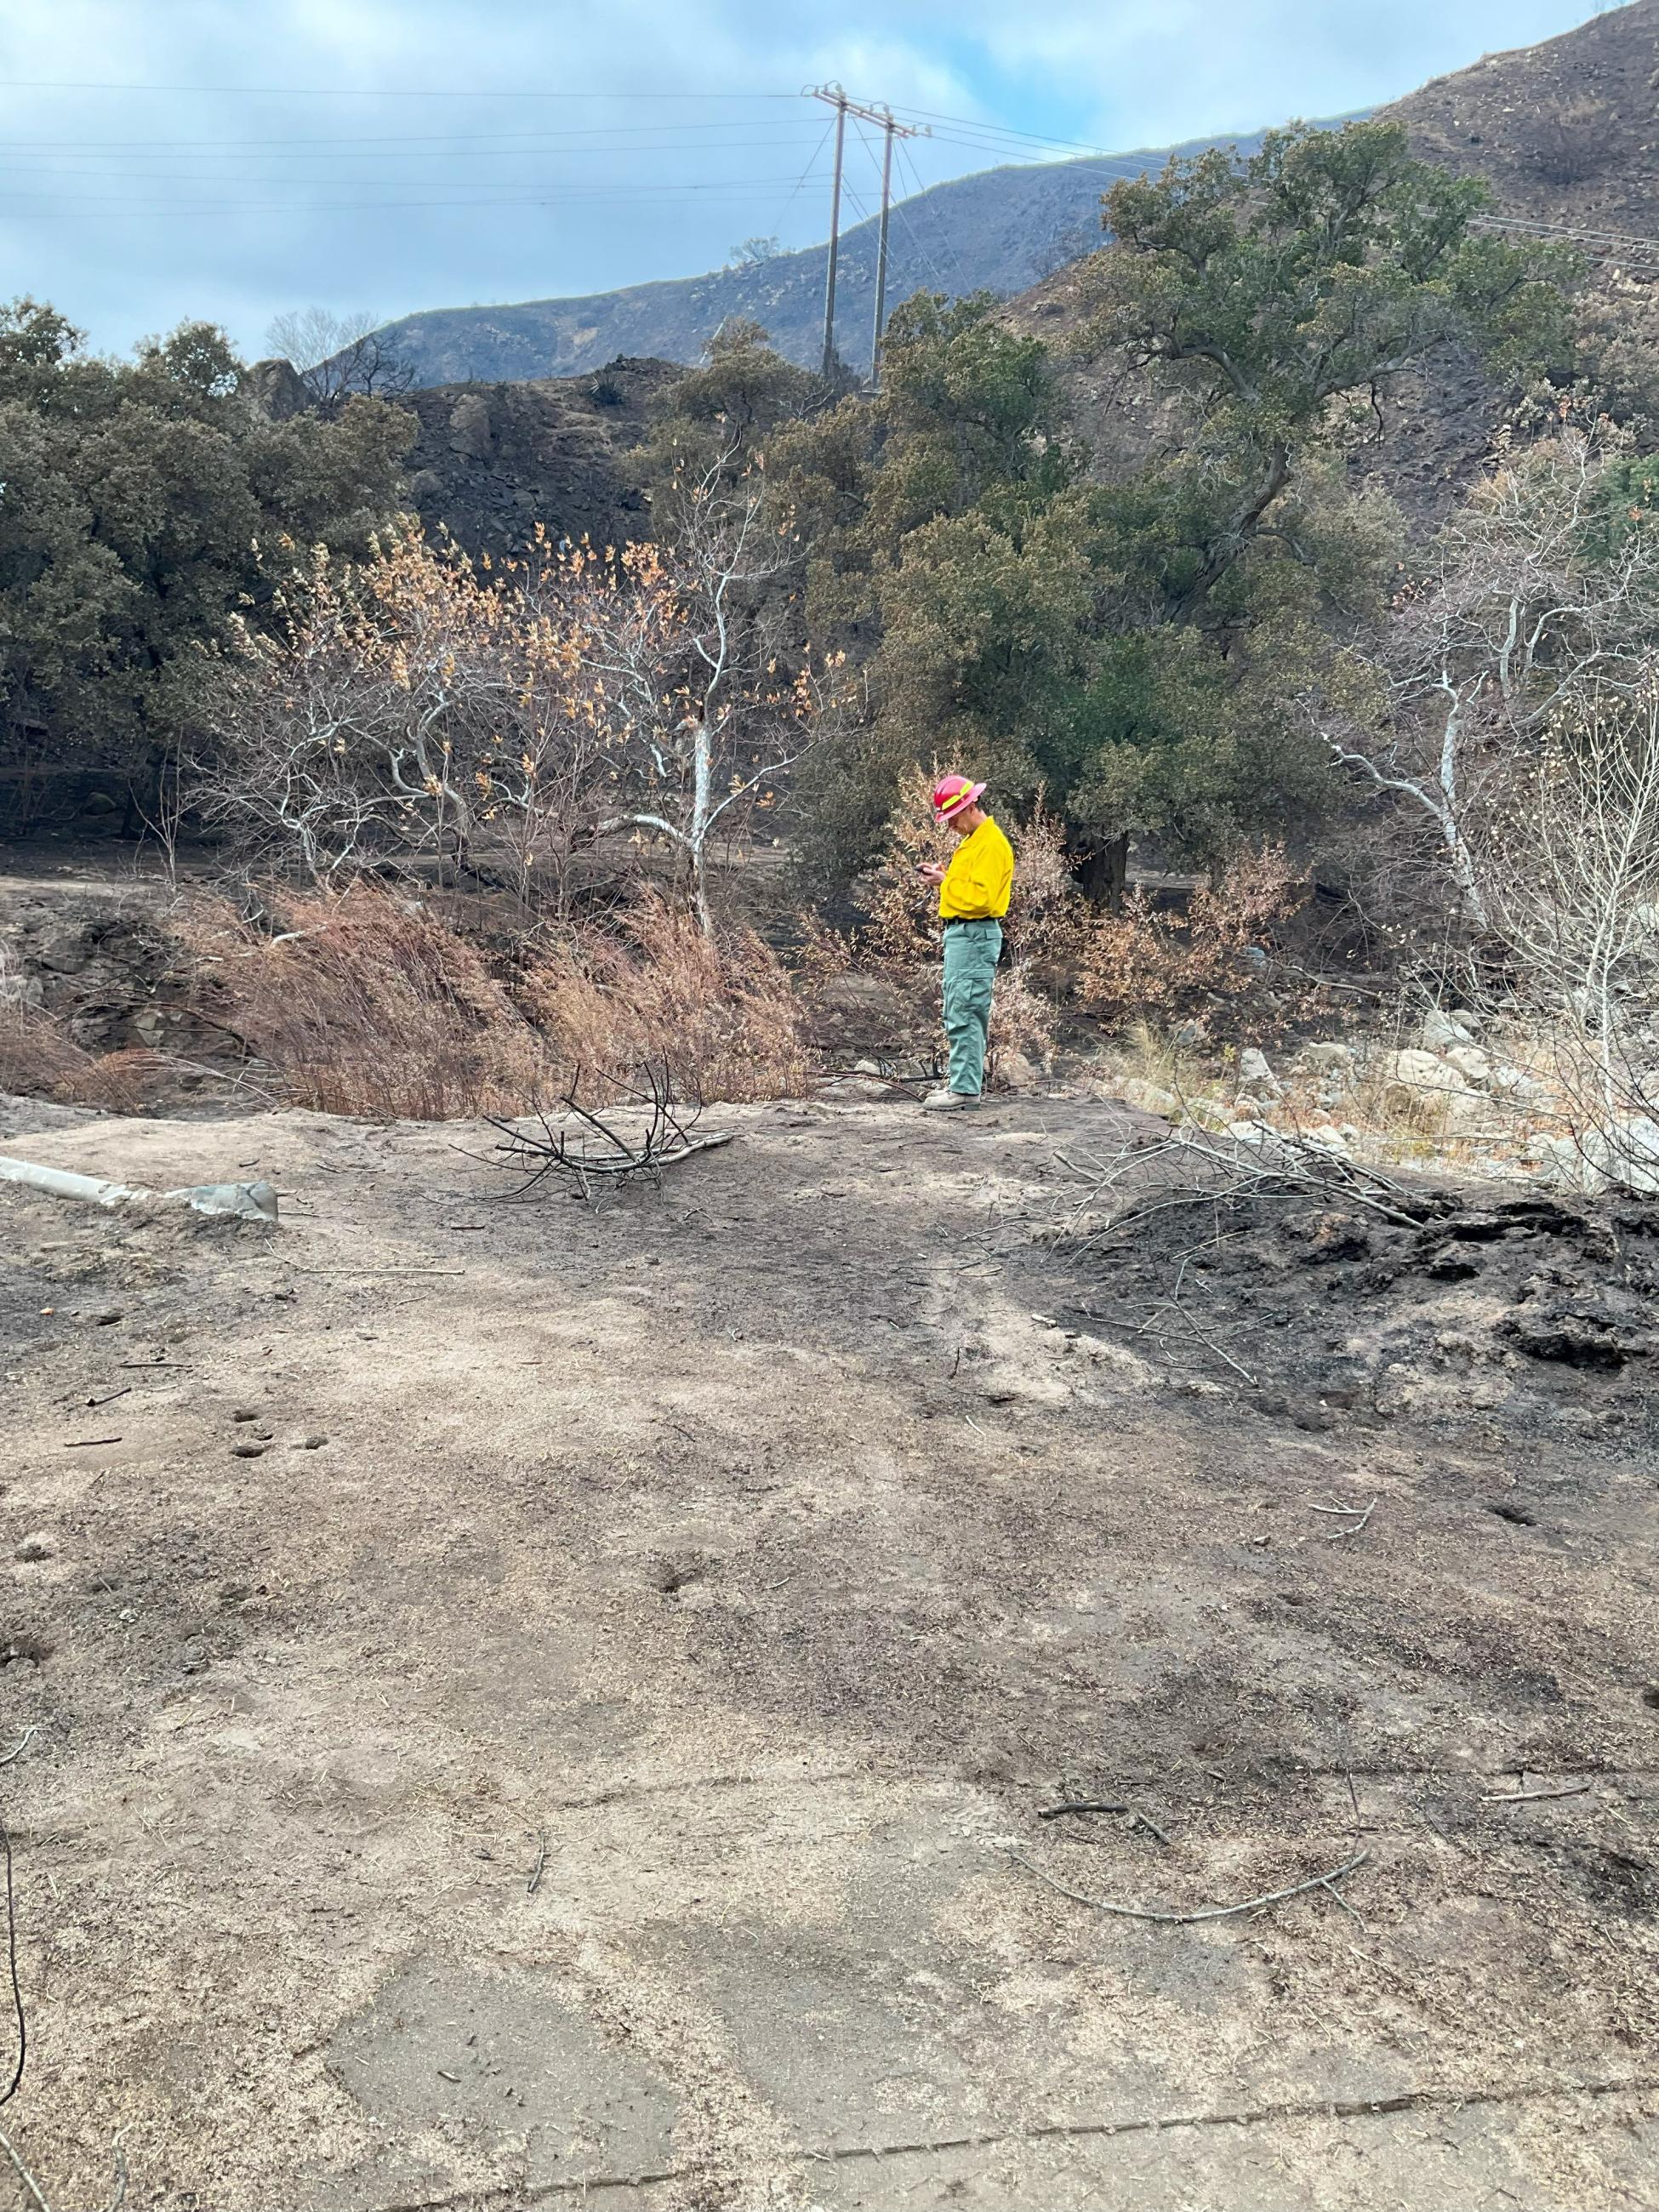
532,1707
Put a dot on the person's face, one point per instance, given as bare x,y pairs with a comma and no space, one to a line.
964,819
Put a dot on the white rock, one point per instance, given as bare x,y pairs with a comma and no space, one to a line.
1417,1070
1515,1087
1473,1065
1562,1163
1626,1154
1323,1058
1150,1097
1329,1137
1256,1075
1439,1028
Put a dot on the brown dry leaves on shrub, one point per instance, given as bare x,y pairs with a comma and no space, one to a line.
1145,965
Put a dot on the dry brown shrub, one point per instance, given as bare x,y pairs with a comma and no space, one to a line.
39,1059
367,1004
1146,965
724,1018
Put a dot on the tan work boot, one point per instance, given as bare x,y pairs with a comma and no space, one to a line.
950,1102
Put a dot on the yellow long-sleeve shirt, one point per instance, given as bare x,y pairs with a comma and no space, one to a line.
979,879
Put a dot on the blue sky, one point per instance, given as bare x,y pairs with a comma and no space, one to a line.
169,158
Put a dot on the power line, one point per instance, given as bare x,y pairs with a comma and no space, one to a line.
362,91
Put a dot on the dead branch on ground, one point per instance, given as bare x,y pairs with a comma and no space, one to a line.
1325,1881
598,1155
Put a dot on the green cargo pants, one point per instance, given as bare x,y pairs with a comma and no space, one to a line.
972,950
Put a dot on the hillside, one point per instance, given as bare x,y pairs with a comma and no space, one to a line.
1566,132
998,231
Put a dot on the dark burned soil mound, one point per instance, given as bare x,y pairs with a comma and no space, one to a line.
1332,1304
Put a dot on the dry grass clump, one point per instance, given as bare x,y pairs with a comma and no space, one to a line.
725,1018
368,1004
39,1059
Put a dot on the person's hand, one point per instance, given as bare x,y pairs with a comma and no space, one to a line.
932,872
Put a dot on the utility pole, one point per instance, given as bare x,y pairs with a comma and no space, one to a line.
881,250
833,96
837,99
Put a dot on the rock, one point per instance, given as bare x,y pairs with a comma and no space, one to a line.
1329,1137
66,953
1324,1059
1150,1097
277,389
1213,1114
1563,1165
1439,1028
1419,1069
1515,1087
21,991
1015,1072
1256,1077
1472,1064
1626,1154
39,1545
247,1451
865,1067
470,433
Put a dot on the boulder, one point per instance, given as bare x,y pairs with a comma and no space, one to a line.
1324,1059
470,431
21,991
1256,1077
1439,1028
1150,1097
1626,1154
1473,1065
66,953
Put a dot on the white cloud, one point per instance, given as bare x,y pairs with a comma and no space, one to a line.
131,209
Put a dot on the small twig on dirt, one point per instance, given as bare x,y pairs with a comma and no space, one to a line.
973,1424
1146,1821
118,2196
1204,1912
299,1268
110,1397
1348,1908
143,1366
85,1443
1529,1797
1354,1796
23,2174
22,1744
1210,1343
535,1882
16,2082
1083,1805
1337,1535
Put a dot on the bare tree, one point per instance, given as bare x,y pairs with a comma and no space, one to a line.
1574,895
712,709
1542,584
339,354
425,709
418,708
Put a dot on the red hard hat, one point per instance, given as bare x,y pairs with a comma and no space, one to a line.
952,793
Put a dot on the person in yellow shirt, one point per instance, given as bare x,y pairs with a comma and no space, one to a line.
974,890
